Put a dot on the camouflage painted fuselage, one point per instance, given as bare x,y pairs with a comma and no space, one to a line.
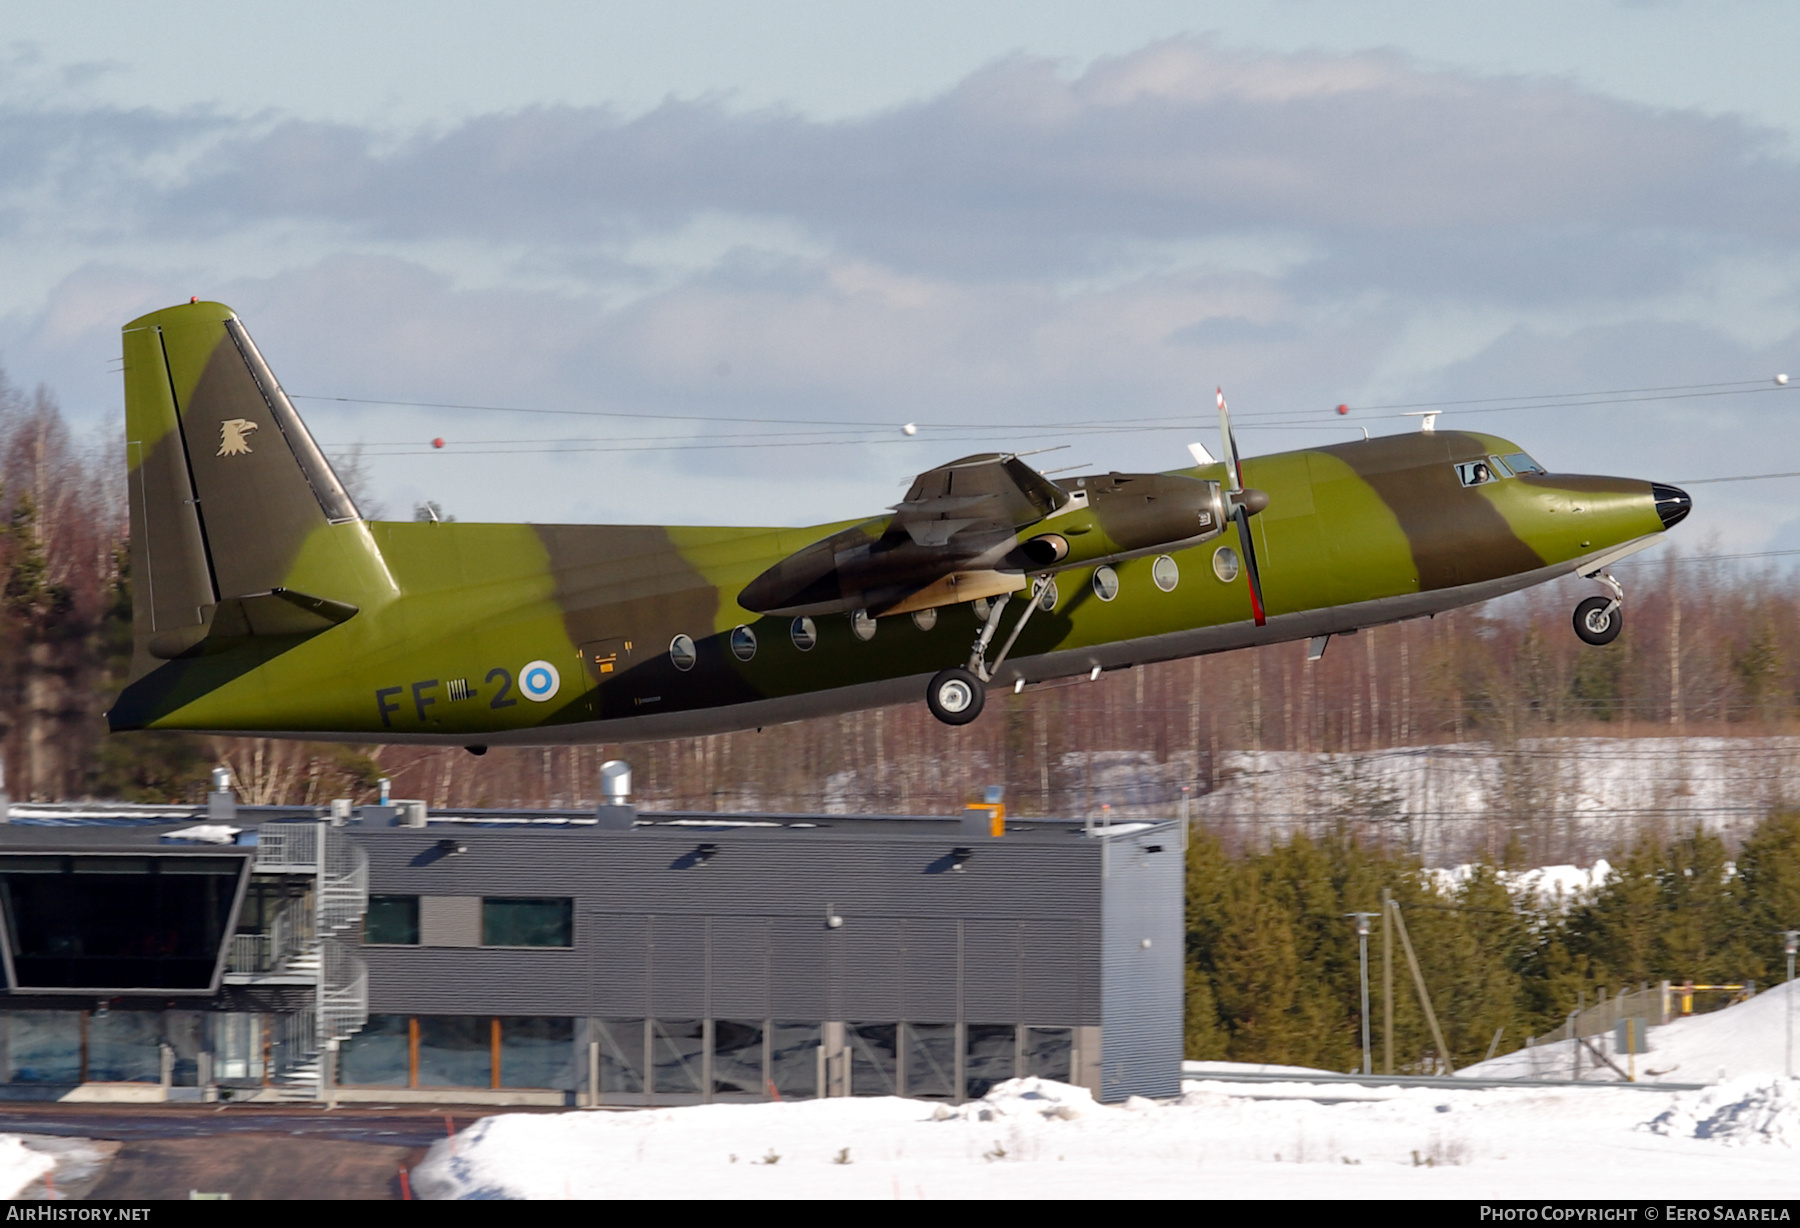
266,606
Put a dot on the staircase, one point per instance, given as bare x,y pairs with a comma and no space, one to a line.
340,898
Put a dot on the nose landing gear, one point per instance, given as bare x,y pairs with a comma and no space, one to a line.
1598,620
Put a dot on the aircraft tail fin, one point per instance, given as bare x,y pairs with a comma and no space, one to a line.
230,496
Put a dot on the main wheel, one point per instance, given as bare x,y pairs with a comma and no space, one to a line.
955,696
1595,624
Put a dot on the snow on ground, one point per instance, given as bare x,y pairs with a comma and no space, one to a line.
1740,1042
1032,1138
20,1165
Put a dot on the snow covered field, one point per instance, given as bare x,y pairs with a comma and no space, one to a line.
1035,1139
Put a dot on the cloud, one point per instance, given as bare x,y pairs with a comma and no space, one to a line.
1032,245
1021,169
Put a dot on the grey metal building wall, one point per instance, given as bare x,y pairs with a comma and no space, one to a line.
1144,933
1014,937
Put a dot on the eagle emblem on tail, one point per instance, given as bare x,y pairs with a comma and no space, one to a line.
234,437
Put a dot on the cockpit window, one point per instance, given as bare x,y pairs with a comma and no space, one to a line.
1475,473
1500,469
1521,464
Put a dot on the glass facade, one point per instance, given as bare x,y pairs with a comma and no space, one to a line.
677,1056
527,923
125,1047
537,1053
454,1051
621,1044
930,1060
988,1056
737,1067
1049,1053
378,1056
659,1059
874,1058
43,1046
96,923
794,1059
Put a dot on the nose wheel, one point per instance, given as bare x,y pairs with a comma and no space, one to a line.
1598,620
956,696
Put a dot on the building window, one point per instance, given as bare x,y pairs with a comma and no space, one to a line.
380,1055
454,1051
794,1059
459,1051
621,1044
392,920
1049,1053
44,1046
988,1056
931,1060
677,1055
874,1058
527,923
124,1047
536,1052
738,1057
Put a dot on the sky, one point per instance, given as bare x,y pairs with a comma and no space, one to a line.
701,262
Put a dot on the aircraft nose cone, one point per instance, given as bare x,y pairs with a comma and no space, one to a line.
1672,504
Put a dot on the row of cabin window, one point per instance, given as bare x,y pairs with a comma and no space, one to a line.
1164,572
393,920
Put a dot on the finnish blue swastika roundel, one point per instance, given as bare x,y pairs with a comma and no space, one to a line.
539,681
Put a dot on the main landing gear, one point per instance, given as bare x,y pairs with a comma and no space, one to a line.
1598,620
956,695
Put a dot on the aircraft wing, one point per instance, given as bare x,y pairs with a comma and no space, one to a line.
986,493
944,542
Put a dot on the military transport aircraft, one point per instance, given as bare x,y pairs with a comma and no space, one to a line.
266,604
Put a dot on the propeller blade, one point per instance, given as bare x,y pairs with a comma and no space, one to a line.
1242,515
1233,470
1240,502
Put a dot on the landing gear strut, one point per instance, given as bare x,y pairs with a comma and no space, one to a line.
956,695
1598,620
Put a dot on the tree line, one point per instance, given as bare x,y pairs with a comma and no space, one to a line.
1273,969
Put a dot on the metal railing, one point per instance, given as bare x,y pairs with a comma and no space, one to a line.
249,953
343,883
343,992
290,847
289,936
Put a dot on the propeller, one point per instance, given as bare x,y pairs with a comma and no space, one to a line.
1242,503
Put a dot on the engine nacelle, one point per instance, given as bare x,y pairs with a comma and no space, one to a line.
1122,515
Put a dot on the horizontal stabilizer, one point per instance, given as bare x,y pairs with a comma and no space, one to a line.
278,612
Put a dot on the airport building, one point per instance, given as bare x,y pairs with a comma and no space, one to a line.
533,957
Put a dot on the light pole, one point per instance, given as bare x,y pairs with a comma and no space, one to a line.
1790,942
1362,942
